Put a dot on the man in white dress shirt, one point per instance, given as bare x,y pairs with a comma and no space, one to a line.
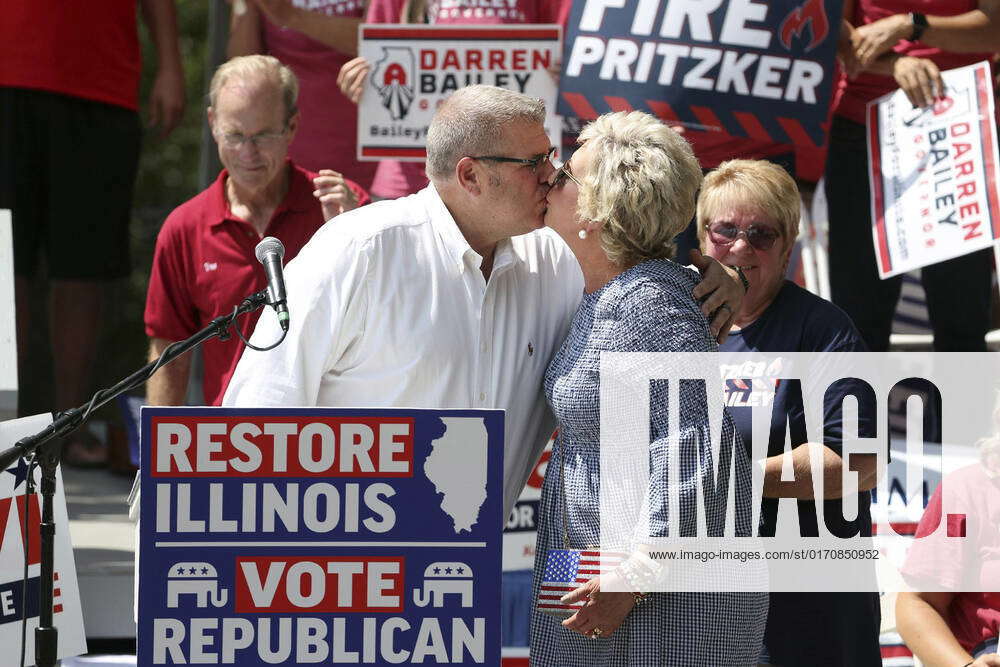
454,297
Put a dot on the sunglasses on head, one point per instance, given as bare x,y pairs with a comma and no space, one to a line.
760,236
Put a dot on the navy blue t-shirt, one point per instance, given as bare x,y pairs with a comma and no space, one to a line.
808,628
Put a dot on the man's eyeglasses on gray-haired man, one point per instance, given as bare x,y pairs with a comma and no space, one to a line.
531,163
263,140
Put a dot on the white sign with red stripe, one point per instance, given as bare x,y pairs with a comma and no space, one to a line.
415,67
933,173
19,548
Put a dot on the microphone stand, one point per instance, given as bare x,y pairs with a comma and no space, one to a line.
47,456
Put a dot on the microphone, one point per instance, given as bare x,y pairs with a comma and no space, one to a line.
270,252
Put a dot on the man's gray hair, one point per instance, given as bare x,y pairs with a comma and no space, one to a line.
257,67
471,122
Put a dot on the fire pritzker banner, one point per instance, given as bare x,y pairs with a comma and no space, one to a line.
758,69
933,173
415,67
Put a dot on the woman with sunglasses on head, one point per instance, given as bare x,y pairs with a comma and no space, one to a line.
748,217
618,203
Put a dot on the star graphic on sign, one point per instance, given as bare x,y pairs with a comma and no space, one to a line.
461,570
204,570
447,570
437,570
180,570
192,571
20,472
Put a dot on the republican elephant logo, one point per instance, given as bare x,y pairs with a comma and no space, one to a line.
198,579
441,579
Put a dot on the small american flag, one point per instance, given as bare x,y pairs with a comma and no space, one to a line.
566,570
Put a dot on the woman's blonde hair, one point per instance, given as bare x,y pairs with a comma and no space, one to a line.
759,185
641,185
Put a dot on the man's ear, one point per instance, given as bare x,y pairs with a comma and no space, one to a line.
210,113
293,125
468,176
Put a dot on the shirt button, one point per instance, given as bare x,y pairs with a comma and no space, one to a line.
482,396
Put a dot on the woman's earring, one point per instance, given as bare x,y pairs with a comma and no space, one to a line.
582,233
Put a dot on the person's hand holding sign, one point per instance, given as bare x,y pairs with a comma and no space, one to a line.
920,79
351,78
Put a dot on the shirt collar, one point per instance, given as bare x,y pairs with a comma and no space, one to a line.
299,197
455,243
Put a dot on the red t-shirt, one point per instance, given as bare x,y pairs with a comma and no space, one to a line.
73,47
851,97
938,562
328,121
205,264
397,179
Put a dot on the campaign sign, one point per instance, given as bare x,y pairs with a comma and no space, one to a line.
758,69
297,536
933,173
522,522
415,67
19,547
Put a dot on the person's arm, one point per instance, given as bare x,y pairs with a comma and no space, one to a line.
720,291
971,32
244,31
166,99
337,32
920,619
802,486
168,385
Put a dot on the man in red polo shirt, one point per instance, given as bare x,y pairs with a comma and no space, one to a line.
204,262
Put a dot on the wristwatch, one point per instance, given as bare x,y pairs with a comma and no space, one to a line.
919,25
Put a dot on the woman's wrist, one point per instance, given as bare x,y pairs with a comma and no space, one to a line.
903,29
639,574
918,24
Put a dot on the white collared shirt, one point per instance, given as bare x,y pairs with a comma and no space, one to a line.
389,308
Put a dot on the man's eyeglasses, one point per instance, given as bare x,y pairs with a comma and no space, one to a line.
531,163
562,173
263,140
761,237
